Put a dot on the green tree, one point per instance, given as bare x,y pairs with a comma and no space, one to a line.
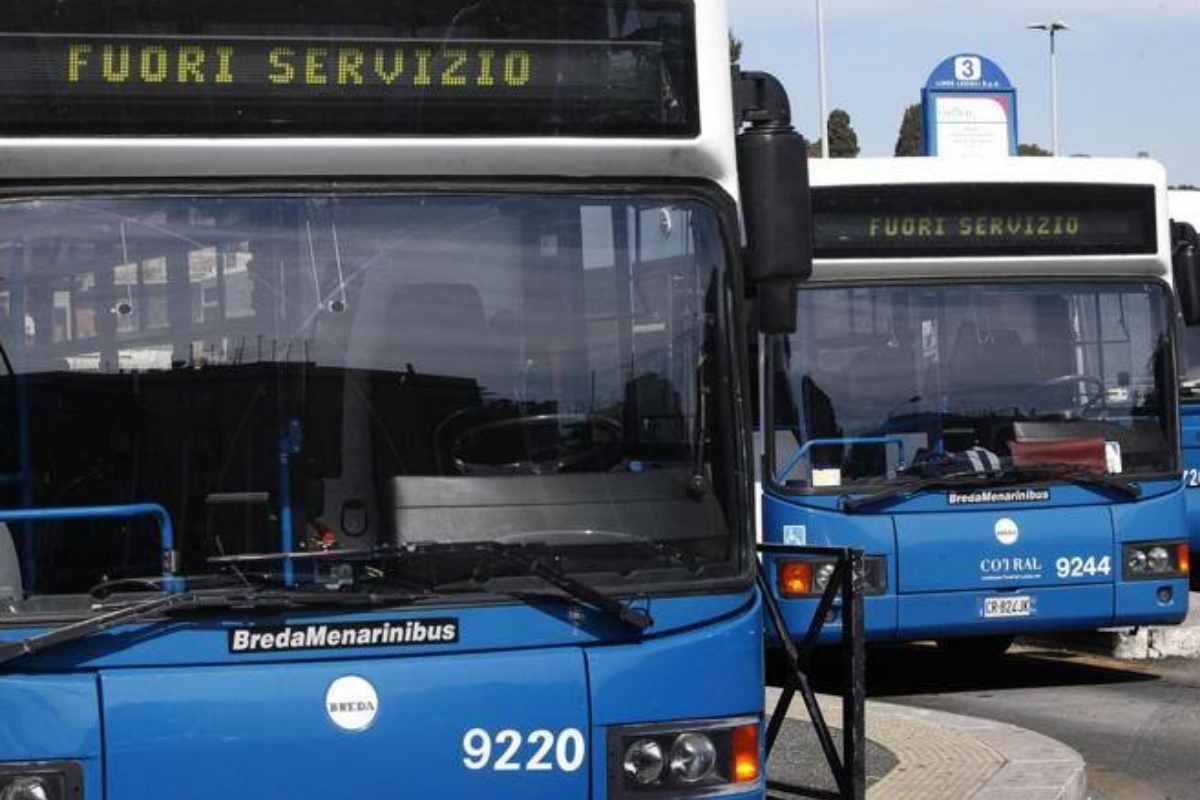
1031,150
843,141
735,49
814,149
911,141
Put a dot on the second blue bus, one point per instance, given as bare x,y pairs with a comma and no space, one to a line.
982,394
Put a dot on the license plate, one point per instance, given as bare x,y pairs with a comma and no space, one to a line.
1007,606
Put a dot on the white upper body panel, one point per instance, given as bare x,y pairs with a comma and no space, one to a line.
916,171
710,156
1185,206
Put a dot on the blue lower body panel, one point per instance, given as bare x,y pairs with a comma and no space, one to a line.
302,725
1139,603
53,718
879,618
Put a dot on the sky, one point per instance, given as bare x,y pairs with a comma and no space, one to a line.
1129,70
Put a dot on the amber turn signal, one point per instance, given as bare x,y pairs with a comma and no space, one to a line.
795,578
1183,555
745,754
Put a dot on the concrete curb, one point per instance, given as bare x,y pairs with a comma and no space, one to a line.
954,757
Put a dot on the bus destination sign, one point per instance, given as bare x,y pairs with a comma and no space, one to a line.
82,67
403,85
915,221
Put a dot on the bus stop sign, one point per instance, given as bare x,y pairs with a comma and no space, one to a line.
970,109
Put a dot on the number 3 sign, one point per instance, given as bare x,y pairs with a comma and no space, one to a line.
968,68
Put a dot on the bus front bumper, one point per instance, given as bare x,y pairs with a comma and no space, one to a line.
949,614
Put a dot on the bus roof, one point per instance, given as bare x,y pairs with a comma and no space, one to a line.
1013,172
709,156
870,171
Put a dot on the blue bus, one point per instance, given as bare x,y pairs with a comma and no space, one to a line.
375,378
982,393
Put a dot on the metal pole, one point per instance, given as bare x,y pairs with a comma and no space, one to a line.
824,95
854,738
1053,94
1052,28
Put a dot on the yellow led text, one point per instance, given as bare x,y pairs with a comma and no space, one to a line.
298,65
977,227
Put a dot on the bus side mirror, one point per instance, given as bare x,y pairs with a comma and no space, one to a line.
1185,266
776,200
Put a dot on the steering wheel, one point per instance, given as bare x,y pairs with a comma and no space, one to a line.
540,444
1100,395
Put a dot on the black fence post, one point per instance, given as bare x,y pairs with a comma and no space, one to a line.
854,740
848,582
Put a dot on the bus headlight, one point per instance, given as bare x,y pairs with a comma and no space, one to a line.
644,762
41,780
684,759
1158,560
693,758
1152,560
821,579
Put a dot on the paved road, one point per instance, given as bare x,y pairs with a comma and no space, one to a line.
1136,724
798,759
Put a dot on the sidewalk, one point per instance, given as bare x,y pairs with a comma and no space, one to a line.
951,757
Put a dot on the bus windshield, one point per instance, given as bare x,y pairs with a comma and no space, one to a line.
384,368
882,384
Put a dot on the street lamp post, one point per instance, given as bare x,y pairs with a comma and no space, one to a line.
824,98
1052,28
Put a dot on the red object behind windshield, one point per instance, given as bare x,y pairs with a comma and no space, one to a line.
1081,452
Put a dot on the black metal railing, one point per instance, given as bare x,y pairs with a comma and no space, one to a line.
847,580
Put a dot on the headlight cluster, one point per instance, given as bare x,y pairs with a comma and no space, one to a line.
41,780
810,577
681,759
1151,560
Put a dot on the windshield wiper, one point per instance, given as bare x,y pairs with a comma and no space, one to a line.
1008,476
951,481
637,618
1081,475
239,599
521,555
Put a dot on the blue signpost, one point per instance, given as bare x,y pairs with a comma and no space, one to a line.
970,109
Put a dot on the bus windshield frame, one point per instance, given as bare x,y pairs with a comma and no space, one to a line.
602,561
843,446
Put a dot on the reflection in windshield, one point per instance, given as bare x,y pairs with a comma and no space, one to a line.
350,371
886,384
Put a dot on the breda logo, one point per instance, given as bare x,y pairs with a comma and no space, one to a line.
1007,531
352,703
